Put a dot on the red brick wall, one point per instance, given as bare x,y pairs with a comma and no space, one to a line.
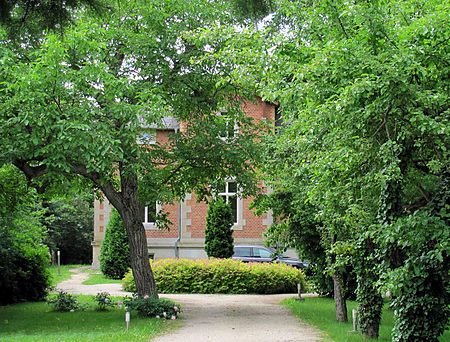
253,228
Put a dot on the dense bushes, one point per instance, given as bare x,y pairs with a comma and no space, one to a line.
115,250
221,276
23,257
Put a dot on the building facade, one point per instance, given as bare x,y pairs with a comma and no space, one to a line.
185,238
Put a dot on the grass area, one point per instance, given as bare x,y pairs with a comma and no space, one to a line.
321,313
36,322
96,277
64,273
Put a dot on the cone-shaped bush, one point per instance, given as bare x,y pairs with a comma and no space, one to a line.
218,233
115,250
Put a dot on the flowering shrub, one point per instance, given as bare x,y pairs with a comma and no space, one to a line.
221,276
64,302
103,300
151,307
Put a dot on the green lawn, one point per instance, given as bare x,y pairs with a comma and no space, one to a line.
36,322
321,313
96,277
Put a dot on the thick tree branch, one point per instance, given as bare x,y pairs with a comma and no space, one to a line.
33,172
105,186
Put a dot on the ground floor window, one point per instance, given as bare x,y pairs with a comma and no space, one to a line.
229,193
150,213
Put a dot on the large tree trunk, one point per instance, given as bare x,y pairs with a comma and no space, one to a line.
339,298
126,201
131,215
140,264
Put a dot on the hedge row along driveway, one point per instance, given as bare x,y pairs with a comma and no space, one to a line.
221,276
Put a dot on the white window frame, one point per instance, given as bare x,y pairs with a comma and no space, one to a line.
239,222
151,225
235,128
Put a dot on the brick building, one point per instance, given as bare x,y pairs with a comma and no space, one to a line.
185,239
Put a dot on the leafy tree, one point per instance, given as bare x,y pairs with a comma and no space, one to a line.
364,87
219,232
83,106
296,226
115,251
23,257
69,223
35,16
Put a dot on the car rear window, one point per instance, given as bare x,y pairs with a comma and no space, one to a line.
262,253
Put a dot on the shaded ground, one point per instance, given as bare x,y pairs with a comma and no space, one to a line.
220,318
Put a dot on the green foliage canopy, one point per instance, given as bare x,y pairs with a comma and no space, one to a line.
364,91
86,104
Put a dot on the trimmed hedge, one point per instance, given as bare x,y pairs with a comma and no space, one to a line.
221,276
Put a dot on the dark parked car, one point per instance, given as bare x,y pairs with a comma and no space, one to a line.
247,253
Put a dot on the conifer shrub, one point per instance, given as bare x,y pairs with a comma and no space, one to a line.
218,232
115,251
221,276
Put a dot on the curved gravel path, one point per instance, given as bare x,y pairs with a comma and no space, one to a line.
219,318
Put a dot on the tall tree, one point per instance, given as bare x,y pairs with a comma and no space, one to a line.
85,106
364,89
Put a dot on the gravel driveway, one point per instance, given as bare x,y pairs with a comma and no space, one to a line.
220,318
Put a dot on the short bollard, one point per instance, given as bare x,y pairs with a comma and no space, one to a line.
127,319
299,290
355,321
59,262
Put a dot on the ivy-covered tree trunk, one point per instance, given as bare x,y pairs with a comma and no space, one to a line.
369,299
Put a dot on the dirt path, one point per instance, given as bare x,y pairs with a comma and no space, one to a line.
220,318
74,285
238,318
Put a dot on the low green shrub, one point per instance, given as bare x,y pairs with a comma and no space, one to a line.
64,302
221,276
152,307
103,300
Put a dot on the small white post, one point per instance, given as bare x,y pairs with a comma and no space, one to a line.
299,290
59,262
355,319
127,319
